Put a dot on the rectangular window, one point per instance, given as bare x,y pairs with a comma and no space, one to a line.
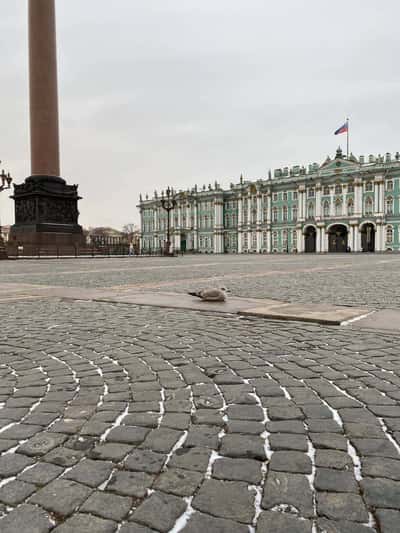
295,195
275,197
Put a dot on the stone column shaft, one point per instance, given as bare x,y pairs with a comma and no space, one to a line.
45,151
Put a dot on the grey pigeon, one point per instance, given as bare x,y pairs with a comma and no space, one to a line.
210,295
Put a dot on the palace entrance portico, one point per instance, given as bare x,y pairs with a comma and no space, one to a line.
338,238
367,231
310,239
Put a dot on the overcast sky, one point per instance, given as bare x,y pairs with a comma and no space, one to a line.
158,92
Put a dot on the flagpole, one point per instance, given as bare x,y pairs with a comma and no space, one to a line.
347,120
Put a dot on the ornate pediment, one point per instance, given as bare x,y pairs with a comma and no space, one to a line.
339,164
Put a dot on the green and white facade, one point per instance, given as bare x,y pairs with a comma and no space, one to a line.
345,204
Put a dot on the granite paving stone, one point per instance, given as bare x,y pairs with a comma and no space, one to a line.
247,470
331,480
86,524
191,459
61,496
388,520
108,506
225,499
90,472
16,492
336,505
160,511
127,435
384,493
200,522
341,526
41,443
13,463
26,518
110,451
273,522
133,484
251,446
294,462
179,481
291,490
135,528
145,461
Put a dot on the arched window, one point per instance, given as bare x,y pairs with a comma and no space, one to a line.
389,185
284,239
338,208
350,207
326,190
285,212
265,238
294,213
369,186
369,206
275,239
338,189
326,208
311,210
389,205
389,234
274,215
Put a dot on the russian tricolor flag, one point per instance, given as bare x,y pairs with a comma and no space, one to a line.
343,129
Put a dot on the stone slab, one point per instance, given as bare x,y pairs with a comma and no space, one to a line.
318,313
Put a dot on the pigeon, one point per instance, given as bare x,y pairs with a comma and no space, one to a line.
210,295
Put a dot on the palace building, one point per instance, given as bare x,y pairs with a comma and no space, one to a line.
345,204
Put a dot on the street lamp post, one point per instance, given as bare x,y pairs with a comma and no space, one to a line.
5,184
168,203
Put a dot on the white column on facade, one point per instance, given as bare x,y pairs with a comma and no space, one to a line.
269,213
240,211
331,202
304,204
269,241
382,198
376,198
259,208
357,239
378,238
358,198
218,226
188,224
240,241
321,240
259,240
326,240
248,221
195,231
318,202
300,240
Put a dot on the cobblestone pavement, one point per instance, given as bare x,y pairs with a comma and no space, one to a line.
138,420
348,279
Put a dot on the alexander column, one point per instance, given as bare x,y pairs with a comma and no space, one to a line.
46,208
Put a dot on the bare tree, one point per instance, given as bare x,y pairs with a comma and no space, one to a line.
130,228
